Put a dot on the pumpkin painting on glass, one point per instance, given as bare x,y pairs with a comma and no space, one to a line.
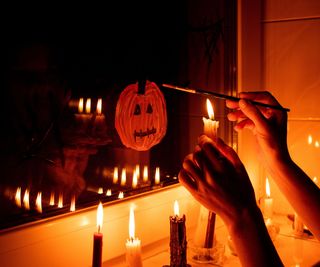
141,116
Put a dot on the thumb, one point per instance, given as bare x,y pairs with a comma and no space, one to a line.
253,113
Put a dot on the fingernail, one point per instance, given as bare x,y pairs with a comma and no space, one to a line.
242,103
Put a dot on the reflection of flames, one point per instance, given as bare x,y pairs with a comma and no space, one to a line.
157,176
60,201
145,173
26,200
100,190
115,175
39,202
267,188
80,106
88,105
108,193
18,197
123,177
73,203
131,224
51,203
99,106
121,195
138,171
134,180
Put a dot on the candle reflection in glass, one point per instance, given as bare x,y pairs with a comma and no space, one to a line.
26,200
73,203
123,177
39,202
115,175
145,174
18,197
157,176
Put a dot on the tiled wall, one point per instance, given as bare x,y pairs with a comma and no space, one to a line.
291,71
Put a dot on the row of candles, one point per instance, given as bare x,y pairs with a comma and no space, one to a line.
133,243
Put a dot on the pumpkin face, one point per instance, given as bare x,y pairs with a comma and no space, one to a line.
141,119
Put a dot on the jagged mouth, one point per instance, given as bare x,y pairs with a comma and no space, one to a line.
142,134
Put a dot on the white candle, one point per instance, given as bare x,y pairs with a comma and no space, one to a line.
133,245
268,202
210,125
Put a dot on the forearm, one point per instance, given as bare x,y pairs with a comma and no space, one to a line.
252,241
301,192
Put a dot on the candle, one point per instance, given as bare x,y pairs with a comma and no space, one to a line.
18,197
133,244
145,174
210,128
210,125
99,118
100,190
268,202
123,177
97,239
178,239
108,193
115,175
157,176
39,202
99,106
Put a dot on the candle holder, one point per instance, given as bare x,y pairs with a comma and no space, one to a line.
201,255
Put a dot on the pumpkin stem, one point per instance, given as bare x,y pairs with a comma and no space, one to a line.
141,87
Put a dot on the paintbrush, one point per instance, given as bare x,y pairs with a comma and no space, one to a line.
221,96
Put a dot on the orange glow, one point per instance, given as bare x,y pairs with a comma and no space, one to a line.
108,193
145,173
60,201
26,200
99,106
99,217
121,195
176,208
131,224
210,110
80,105
115,175
157,176
39,202
134,179
309,139
18,197
100,190
267,188
51,203
137,170
123,177
315,180
316,144
88,105
73,203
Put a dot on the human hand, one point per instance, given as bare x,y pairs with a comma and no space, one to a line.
216,177
269,126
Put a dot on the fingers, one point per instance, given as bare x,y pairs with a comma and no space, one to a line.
261,96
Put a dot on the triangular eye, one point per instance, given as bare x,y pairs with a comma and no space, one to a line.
149,109
137,110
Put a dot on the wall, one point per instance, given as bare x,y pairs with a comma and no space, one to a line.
279,51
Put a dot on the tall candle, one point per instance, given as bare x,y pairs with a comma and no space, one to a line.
97,239
178,239
210,128
268,202
133,244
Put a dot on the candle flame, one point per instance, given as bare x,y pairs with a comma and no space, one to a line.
80,105
60,200
123,177
316,144
210,110
100,190
73,203
26,199
157,176
115,175
108,193
131,224
176,208
145,173
99,106
138,171
315,180
121,195
18,197
310,139
88,105
39,202
267,188
51,203
99,217
134,179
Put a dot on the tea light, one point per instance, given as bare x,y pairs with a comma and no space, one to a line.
133,244
97,239
268,202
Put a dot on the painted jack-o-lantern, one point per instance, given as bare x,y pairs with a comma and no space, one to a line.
141,117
